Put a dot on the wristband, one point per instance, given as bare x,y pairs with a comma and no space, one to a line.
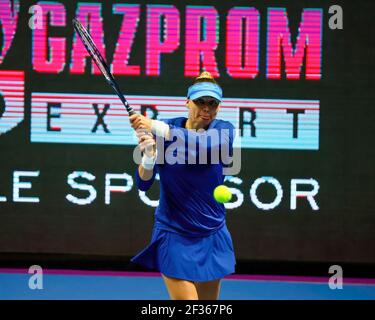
159,128
148,162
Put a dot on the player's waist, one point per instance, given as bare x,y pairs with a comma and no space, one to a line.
188,229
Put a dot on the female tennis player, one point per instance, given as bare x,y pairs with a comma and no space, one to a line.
191,245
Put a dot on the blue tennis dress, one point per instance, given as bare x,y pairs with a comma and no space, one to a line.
190,239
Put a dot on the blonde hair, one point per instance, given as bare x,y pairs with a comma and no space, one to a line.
205,77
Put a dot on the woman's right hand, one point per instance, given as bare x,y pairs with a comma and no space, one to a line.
140,122
146,142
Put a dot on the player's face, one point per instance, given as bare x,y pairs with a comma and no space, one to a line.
203,110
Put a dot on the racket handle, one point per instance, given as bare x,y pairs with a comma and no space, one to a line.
129,109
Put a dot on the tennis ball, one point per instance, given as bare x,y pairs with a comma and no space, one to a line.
222,194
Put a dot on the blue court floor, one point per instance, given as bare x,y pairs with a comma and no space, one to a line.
89,285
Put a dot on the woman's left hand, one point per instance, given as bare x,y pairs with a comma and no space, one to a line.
140,122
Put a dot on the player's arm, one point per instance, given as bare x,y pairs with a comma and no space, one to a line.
206,140
145,174
139,121
144,178
168,132
217,138
212,146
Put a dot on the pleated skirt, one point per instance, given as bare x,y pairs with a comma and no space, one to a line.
198,259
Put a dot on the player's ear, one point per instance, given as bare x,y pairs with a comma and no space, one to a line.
187,103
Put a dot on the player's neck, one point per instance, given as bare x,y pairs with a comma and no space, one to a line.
194,125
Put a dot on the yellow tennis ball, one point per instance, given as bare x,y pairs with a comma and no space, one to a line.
222,194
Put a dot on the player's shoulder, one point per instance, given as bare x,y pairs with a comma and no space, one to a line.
222,124
178,122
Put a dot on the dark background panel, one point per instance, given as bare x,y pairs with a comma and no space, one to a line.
342,231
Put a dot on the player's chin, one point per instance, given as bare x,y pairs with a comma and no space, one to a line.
205,119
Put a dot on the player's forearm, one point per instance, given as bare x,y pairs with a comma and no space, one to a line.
144,178
145,174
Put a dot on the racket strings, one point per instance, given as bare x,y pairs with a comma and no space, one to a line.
100,62
91,48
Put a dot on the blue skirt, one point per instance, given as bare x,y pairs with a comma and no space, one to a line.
190,258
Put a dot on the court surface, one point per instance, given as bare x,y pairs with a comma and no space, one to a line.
104,285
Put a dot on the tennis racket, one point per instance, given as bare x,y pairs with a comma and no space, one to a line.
99,61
